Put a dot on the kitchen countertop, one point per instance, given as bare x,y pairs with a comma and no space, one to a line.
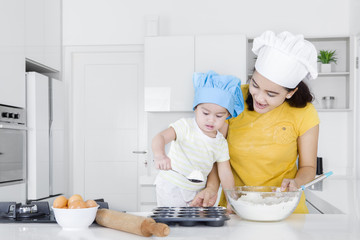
341,194
297,226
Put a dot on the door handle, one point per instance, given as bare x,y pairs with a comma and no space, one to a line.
139,152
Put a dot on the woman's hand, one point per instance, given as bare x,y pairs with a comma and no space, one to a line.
289,184
162,162
205,198
229,209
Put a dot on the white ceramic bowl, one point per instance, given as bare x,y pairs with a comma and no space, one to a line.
262,203
75,218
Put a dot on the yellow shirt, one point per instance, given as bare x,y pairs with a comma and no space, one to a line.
263,147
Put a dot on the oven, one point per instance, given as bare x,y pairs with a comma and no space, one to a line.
12,145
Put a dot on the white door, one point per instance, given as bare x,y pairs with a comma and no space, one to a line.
107,93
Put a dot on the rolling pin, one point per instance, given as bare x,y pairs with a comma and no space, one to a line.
130,223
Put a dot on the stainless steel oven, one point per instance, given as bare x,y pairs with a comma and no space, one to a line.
12,145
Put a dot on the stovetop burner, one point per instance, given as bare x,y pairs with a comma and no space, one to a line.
35,212
16,212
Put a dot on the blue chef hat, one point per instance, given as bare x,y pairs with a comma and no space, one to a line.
223,90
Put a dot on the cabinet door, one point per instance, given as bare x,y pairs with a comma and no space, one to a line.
34,30
43,32
169,65
12,53
224,54
52,34
171,61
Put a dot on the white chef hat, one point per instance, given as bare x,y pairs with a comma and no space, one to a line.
285,59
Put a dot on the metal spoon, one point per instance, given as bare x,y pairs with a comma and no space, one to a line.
190,179
318,179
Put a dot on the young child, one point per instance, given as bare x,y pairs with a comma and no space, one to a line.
196,142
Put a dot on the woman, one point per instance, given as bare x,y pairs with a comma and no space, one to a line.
274,141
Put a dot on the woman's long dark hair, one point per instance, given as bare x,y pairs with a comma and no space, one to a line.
299,99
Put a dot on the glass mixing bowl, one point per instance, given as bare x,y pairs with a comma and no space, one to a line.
262,203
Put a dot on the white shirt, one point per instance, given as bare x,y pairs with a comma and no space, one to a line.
193,150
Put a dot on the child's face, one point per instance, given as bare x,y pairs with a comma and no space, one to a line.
210,117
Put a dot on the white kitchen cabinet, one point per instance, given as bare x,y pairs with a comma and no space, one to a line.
225,54
169,65
171,61
12,53
43,32
52,34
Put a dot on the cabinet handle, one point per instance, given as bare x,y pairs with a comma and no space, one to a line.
140,152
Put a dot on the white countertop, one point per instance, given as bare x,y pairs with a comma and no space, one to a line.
297,226
342,194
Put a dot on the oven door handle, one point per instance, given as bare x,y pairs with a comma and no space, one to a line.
13,126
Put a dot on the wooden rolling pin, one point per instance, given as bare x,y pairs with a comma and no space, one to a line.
130,223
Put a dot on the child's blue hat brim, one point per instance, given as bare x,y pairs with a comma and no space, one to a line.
223,90
214,95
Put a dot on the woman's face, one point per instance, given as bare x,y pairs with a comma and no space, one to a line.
266,94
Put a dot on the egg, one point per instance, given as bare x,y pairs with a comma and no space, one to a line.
77,204
90,203
60,202
75,197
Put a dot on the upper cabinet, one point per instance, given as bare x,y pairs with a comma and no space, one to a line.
43,32
169,65
225,54
12,53
170,62
333,91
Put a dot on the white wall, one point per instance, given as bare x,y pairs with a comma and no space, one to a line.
103,22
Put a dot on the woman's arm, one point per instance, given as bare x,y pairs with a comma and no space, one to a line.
224,129
208,196
158,147
307,148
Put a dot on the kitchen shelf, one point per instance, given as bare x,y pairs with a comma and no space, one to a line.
338,83
333,74
330,74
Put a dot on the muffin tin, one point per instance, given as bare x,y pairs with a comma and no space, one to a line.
190,216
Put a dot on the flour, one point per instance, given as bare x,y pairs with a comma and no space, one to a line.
265,206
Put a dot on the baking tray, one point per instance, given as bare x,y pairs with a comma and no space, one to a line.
190,216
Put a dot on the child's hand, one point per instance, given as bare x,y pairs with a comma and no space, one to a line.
206,198
162,163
